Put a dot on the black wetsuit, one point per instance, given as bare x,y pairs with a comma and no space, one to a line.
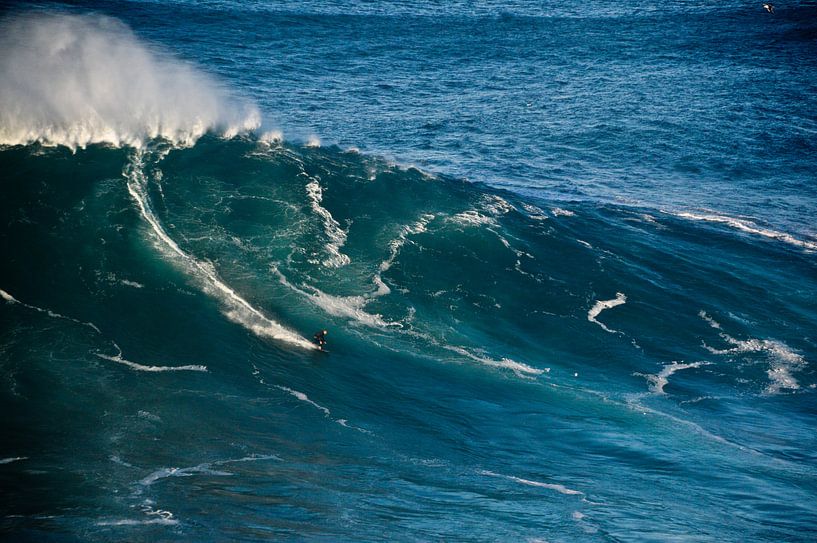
320,339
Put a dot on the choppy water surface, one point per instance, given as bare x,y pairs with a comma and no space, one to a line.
565,255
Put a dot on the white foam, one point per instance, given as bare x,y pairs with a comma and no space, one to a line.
534,212
76,80
350,307
140,367
205,468
331,227
520,369
313,141
237,308
395,245
54,315
472,217
12,459
712,322
601,305
750,227
561,489
658,381
559,212
304,398
783,361
138,522
496,205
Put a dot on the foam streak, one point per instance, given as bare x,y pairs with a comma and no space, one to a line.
601,305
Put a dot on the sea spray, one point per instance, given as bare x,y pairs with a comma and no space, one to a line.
76,80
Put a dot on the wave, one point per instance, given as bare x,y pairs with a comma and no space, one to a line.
77,80
750,227
237,309
601,305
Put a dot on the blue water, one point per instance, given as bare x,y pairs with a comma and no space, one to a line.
565,254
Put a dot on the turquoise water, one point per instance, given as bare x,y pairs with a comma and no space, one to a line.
566,259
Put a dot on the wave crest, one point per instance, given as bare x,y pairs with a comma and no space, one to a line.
76,80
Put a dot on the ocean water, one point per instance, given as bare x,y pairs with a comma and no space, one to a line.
565,253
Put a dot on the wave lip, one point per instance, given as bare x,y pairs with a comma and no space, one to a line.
77,80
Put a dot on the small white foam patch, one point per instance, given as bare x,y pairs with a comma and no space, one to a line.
783,361
133,284
77,80
561,489
559,212
658,381
472,217
140,367
313,141
534,212
238,309
712,322
12,459
601,305
496,205
750,227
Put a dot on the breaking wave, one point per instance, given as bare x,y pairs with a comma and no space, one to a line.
77,80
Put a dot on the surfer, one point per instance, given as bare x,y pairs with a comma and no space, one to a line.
769,7
320,338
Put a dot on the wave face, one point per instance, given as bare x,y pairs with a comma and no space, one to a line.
502,366
164,294
74,80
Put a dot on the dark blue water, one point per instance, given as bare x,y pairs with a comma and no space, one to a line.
565,254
